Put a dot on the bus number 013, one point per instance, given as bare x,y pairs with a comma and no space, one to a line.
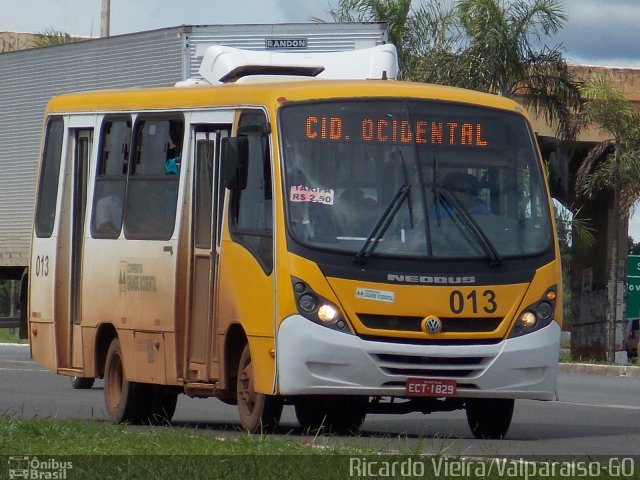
458,301
42,266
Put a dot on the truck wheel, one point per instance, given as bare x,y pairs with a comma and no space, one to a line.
258,412
82,383
489,418
125,401
332,414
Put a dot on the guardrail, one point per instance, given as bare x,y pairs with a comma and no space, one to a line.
9,322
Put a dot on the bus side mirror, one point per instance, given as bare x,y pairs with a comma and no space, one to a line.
235,162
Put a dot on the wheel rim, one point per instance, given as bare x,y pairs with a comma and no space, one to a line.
246,392
113,382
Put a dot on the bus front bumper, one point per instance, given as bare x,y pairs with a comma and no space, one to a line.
313,359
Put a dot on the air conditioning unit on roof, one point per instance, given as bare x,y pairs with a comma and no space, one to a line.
226,64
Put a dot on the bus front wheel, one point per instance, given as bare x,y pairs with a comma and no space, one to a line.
489,418
258,412
331,414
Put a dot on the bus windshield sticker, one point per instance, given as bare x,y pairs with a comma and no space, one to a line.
301,193
376,295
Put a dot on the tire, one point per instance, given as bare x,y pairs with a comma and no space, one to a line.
82,383
125,401
258,412
489,418
23,331
331,414
311,417
163,406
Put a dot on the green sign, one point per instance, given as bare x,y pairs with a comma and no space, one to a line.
633,286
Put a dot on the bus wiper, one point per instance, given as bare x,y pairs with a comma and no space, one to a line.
481,237
405,175
383,222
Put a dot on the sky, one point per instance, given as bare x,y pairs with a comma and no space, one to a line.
596,32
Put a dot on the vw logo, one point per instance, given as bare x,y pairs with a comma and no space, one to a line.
432,325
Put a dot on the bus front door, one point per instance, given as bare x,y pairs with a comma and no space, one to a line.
202,352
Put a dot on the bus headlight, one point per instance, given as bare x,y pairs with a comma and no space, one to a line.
536,316
544,310
318,309
528,320
328,314
307,303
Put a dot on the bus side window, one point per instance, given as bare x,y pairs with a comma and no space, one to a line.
251,209
50,171
152,193
113,159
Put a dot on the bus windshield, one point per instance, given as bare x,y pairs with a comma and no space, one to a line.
388,177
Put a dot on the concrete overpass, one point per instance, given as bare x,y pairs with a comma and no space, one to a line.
590,267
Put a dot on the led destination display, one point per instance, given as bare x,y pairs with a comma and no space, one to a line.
372,129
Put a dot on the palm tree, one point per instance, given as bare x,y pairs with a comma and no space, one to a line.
498,53
51,37
394,12
486,45
613,165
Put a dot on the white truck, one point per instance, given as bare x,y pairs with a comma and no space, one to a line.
146,59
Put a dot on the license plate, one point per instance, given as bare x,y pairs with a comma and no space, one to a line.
430,387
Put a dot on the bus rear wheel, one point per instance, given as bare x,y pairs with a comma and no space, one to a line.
163,405
126,401
258,412
489,418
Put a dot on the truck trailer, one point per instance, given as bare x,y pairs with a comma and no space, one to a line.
154,58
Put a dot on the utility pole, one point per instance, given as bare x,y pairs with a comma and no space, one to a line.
105,18
613,272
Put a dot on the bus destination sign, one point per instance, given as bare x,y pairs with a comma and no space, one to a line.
387,130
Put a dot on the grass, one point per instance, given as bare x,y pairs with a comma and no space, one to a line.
20,436
10,335
119,451
78,449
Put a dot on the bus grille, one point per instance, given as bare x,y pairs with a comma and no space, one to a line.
413,324
429,366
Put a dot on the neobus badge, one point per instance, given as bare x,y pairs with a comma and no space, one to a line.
430,279
376,295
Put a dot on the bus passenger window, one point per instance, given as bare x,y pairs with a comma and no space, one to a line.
48,189
113,159
152,194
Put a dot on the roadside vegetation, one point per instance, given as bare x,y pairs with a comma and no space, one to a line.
10,335
46,448
101,450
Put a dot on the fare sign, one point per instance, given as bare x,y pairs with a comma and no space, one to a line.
430,387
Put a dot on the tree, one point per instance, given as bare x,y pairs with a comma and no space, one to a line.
394,12
572,230
613,165
485,45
